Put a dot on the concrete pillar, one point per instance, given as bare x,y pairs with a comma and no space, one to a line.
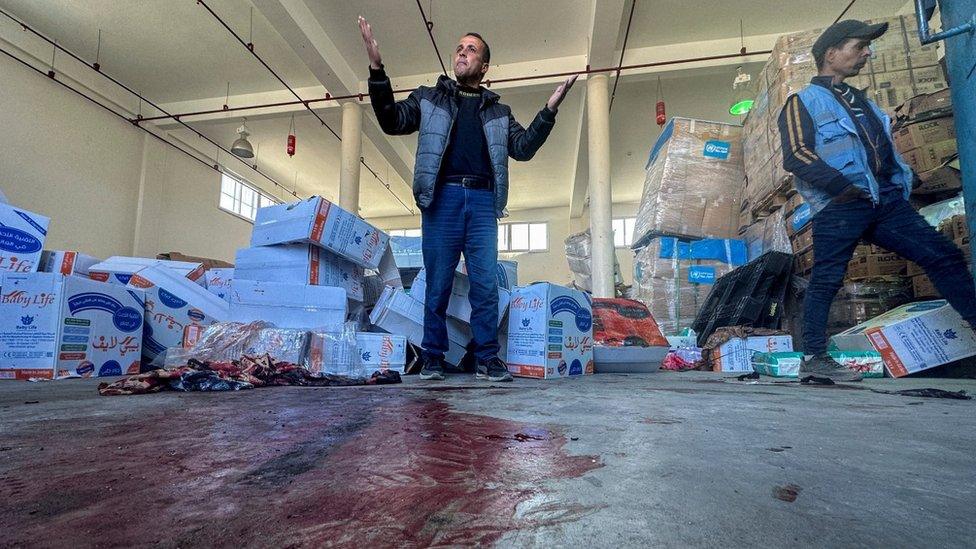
598,145
960,59
352,150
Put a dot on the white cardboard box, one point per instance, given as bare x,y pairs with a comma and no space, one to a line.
375,352
218,282
400,314
54,325
912,338
293,306
320,222
66,263
176,308
735,355
22,235
119,269
300,264
550,332
459,306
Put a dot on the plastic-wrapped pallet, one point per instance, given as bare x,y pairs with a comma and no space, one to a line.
693,182
768,235
578,254
673,278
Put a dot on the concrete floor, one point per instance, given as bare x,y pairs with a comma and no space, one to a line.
665,459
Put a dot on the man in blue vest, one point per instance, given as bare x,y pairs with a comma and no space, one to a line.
460,183
838,144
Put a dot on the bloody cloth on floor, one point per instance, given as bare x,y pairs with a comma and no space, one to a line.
246,373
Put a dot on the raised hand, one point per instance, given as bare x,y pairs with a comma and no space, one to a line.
372,49
557,96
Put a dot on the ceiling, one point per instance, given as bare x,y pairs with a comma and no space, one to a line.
176,53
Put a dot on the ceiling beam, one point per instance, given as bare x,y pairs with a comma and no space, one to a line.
298,27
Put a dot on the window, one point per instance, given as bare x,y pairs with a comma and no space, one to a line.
623,231
523,237
405,232
242,199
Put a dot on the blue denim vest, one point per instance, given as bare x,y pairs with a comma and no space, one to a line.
839,145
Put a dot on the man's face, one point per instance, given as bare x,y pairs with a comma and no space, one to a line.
468,64
850,57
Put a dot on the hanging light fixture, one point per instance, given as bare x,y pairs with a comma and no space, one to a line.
242,147
742,100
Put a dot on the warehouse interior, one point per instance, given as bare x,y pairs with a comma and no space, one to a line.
117,124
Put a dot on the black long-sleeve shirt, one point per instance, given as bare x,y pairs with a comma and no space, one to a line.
798,134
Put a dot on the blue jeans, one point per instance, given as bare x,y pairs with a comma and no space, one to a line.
895,226
460,221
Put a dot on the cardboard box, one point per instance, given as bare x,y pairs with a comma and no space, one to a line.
804,261
66,263
218,282
300,264
175,308
913,337
320,222
292,306
735,355
924,132
399,313
943,179
931,155
118,269
53,325
207,262
960,227
22,235
407,251
867,266
328,353
550,332
803,240
459,306
922,287
927,105
781,364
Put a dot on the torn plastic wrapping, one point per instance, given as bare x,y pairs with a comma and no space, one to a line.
334,353
936,213
578,254
693,177
229,341
861,301
768,235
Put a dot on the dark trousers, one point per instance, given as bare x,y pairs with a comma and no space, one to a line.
895,226
460,221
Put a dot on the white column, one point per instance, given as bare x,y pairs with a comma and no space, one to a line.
352,150
601,226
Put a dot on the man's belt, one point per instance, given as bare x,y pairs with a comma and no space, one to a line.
469,182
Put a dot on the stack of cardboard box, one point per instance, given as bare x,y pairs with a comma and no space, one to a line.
956,229
674,277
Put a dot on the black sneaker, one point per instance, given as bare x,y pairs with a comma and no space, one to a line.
493,369
433,369
821,368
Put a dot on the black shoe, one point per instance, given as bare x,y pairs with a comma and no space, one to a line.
493,369
433,369
821,368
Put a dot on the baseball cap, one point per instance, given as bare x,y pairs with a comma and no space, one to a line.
842,30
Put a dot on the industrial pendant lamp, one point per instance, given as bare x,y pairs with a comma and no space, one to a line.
742,100
242,147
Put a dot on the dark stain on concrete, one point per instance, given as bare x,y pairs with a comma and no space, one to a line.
338,468
787,492
660,420
780,448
